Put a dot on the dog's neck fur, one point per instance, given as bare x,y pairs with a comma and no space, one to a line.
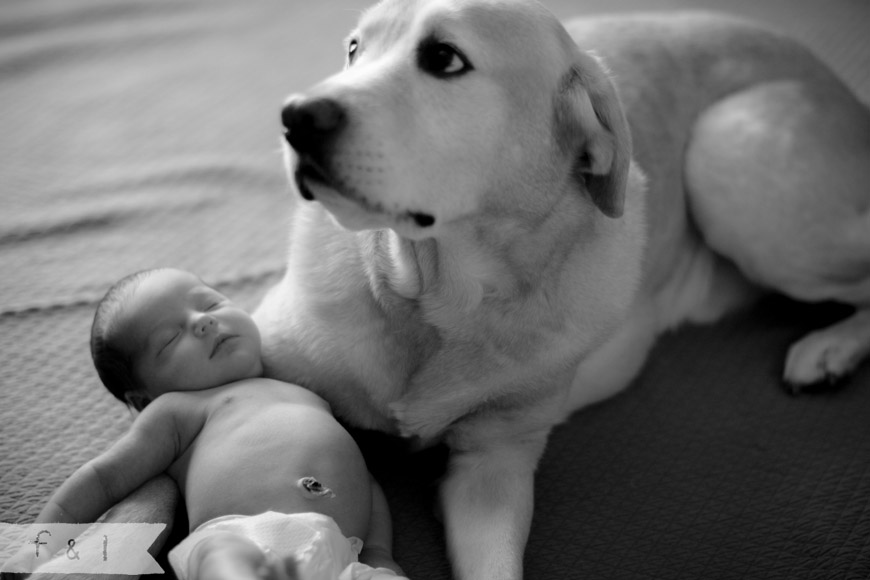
445,279
449,277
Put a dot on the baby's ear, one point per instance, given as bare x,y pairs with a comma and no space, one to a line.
137,399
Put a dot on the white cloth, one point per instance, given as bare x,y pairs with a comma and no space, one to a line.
314,540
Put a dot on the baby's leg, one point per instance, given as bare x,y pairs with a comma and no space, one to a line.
229,556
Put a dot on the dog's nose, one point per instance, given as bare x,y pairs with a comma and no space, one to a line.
310,123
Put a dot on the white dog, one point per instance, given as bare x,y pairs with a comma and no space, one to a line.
508,214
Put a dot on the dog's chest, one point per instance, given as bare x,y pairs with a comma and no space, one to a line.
343,347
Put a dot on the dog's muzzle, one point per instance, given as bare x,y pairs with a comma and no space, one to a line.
311,126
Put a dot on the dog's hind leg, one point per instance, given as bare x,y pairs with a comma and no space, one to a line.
779,182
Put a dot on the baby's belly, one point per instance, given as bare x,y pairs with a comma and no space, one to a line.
267,463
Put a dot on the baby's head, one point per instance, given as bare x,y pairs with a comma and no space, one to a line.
166,330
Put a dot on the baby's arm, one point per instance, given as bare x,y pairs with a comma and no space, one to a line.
157,437
377,550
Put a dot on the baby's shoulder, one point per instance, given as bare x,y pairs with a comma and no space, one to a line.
169,410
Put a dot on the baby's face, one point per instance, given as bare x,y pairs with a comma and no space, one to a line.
185,336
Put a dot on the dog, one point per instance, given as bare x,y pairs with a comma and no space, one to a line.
499,213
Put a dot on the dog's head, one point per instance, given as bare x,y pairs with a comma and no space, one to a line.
449,108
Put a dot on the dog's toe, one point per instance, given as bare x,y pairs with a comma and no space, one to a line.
415,424
400,413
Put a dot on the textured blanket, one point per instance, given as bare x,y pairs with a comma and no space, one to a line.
141,133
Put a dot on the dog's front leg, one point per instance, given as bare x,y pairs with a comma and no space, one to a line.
488,499
429,415
429,412
443,392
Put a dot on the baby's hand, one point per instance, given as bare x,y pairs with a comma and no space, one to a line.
279,569
379,558
228,556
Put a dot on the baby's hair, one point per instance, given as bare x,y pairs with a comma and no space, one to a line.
113,365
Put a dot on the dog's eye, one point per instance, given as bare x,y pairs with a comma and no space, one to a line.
441,59
352,48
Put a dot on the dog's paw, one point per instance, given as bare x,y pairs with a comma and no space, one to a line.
416,420
821,359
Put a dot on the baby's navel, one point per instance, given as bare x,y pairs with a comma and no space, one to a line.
311,486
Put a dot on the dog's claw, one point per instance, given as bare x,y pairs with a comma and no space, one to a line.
829,382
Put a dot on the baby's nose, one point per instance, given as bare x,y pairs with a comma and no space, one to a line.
203,325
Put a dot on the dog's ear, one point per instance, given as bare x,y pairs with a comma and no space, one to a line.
591,126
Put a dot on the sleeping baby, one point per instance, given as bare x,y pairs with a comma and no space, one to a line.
274,486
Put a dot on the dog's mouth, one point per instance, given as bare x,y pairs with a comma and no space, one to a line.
311,176
308,172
